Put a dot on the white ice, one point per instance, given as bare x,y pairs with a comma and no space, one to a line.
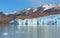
46,20
5,33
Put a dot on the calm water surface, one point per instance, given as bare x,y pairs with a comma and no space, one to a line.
27,31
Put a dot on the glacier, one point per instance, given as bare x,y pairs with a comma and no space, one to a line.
45,20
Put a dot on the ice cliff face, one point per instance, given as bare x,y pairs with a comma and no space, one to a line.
46,20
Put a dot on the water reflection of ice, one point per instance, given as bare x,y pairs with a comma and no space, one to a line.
30,31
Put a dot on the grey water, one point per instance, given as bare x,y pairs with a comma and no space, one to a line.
27,31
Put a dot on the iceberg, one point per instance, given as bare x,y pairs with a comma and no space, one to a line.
45,20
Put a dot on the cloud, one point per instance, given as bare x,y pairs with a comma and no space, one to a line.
38,2
35,2
42,2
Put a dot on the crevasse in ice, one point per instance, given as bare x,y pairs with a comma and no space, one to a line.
45,20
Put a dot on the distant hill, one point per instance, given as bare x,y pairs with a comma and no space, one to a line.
30,13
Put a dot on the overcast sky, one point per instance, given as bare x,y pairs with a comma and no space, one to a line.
14,5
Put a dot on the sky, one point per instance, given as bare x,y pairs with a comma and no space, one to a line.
9,6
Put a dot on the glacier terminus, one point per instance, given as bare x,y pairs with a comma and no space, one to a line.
45,20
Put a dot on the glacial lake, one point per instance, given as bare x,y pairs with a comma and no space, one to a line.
29,31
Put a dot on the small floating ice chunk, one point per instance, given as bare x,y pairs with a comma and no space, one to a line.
5,33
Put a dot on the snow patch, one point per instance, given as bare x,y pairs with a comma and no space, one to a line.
34,10
28,8
6,13
49,6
